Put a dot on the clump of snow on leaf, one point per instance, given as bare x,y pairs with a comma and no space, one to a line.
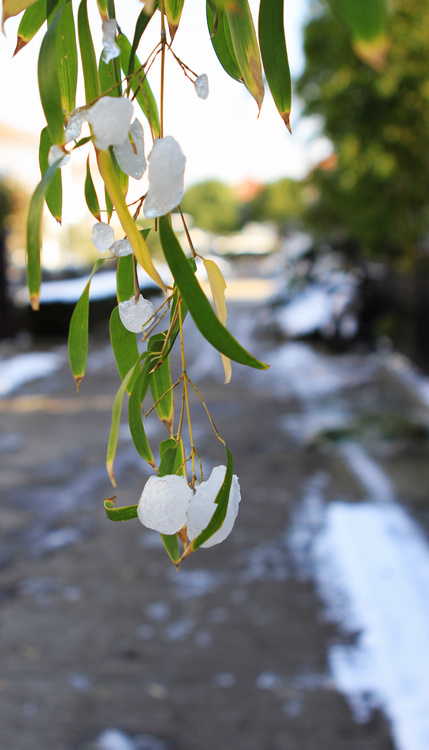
102,236
166,171
164,502
135,314
132,162
110,48
110,120
55,153
202,86
203,506
120,248
74,125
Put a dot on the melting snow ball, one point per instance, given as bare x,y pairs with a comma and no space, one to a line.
202,507
55,153
102,236
164,503
132,162
74,125
110,48
120,248
134,315
166,171
202,86
110,119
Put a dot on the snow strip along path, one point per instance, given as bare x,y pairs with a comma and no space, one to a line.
371,564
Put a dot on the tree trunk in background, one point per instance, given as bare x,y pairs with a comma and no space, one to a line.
7,322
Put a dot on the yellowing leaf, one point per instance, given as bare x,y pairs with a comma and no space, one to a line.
13,7
218,286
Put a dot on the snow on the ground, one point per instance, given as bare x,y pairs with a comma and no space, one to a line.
370,561
24,368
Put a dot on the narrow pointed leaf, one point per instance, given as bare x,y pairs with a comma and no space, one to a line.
175,462
160,384
173,11
114,428
218,27
49,82
139,84
199,307
110,78
246,47
78,331
67,58
367,20
142,22
274,55
34,235
137,241
54,193
221,501
125,278
30,24
171,544
124,345
90,194
218,286
123,513
13,7
135,417
89,61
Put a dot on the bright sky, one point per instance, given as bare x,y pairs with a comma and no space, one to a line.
222,137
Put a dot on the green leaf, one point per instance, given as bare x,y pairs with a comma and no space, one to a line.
125,274
135,417
218,27
78,331
91,195
171,544
102,6
367,21
54,193
89,62
161,384
123,513
222,499
110,78
34,235
114,428
139,84
172,457
274,55
30,24
246,48
67,58
49,82
173,11
125,278
142,22
124,345
202,312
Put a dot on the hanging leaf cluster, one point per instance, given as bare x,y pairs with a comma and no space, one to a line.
188,511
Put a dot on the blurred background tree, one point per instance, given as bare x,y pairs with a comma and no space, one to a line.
375,194
213,206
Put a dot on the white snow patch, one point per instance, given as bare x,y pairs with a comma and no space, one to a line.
371,565
27,367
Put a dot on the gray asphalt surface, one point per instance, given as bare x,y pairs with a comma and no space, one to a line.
97,628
